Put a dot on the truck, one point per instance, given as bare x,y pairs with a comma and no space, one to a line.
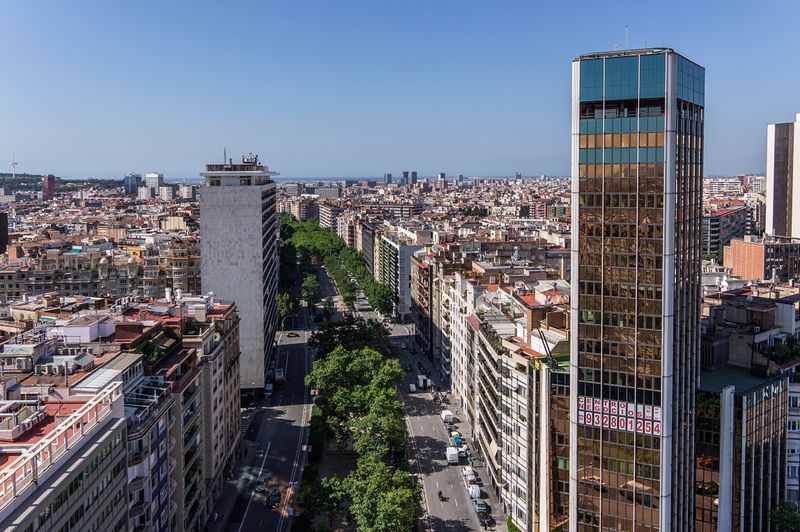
422,382
280,378
452,455
447,416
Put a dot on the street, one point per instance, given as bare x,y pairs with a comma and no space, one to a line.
273,447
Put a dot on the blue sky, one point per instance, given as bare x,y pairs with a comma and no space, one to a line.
357,88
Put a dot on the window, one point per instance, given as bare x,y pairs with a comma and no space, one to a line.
793,471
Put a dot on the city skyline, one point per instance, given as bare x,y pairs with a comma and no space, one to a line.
470,91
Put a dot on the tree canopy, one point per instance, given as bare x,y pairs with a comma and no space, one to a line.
351,333
287,305
785,517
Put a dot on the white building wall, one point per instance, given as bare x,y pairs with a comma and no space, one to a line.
232,267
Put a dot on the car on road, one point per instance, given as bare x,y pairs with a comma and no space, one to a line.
485,519
261,483
412,388
272,364
480,505
467,470
268,390
273,498
292,335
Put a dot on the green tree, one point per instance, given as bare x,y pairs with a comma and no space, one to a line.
785,517
382,500
309,289
381,433
351,333
382,299
287,306
328,308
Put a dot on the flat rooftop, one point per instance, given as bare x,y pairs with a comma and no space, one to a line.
742,379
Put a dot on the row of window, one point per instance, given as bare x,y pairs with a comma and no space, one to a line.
620,155
622,140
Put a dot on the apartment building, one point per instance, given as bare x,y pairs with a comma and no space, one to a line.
757,258
328,213
720,227
213,331
50,485
395,271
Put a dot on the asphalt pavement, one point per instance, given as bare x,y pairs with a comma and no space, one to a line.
273,446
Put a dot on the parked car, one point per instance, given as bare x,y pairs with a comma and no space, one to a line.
261,483
293,334
412,388
467,470
485,519
480,505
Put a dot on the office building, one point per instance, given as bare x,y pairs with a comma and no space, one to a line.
783,179
637,167
239,256
387,178
154,181
131,183
413,177
48,187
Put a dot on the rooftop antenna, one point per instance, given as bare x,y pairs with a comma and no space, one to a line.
13,164
626,36
224,155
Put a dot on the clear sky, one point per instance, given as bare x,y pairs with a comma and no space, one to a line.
357,88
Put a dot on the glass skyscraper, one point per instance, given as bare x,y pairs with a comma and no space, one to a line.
637,166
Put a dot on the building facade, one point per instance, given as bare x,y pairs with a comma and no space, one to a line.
720,227
637,167
239,256
783,173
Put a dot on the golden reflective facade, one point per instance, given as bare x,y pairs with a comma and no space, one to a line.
637,170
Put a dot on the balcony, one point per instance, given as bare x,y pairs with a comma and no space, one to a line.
137,457
137,484
138,509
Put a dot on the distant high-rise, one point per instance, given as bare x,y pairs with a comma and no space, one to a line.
783,179
637,167
48,187
387,178
3,231
154,181
414,177
239,257
405,179
131,183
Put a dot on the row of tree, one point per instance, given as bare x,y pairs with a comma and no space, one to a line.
305,246
357,405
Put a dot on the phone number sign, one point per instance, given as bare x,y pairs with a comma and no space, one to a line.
618,415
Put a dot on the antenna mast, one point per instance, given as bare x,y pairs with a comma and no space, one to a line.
626,36
13,164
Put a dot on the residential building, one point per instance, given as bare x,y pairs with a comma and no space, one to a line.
720,227
761,259
239,257
637,167
328,213
783,172
50,485
214,332
395,271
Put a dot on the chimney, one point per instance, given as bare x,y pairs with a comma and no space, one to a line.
200,313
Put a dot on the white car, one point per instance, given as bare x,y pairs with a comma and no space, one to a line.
467,470
412,388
